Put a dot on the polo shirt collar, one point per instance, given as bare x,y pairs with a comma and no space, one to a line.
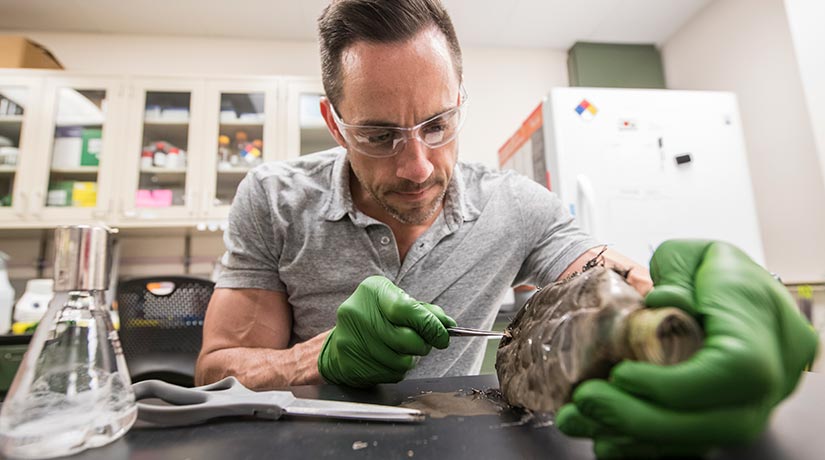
457,208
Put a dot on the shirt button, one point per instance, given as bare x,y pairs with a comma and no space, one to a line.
385,240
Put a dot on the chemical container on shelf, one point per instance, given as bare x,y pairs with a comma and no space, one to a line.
159,159
68,147
173,158
224,152
147,159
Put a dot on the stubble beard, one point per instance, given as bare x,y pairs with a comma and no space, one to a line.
417,216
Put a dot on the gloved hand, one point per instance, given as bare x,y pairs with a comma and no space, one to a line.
756,345
378,332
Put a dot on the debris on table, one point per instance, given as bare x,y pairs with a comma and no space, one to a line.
358,445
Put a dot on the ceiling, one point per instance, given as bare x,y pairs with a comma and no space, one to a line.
516,23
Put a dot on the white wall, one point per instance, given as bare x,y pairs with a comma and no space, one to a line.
805,18
745,46
504,84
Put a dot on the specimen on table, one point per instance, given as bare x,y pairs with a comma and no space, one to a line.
579,328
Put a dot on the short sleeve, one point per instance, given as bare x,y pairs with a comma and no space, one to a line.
552,239
253,239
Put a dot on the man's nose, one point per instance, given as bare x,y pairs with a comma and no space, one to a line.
413,162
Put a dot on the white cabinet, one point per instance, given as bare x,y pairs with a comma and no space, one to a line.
19,114
143,152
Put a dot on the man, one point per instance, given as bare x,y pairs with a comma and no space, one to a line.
347,266
305,235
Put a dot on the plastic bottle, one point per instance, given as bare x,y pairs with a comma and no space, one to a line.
240,144
223,152
147,159
32,305
72,390
173,158
6,295
159,155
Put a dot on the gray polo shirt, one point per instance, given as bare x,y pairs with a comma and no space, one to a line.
293,228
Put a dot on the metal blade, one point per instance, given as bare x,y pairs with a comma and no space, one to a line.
469,332
351,410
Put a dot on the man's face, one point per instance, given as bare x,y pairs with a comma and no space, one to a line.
401,85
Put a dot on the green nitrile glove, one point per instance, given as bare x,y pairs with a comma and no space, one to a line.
756,346
379,331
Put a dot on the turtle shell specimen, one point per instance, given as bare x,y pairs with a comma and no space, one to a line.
578,329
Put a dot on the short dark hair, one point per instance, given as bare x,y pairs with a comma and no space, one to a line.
344,22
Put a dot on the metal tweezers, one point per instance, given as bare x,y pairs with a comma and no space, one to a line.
228,397
469,332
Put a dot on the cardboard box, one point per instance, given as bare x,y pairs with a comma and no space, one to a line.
19,52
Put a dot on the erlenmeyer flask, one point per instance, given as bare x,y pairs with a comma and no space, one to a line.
72,390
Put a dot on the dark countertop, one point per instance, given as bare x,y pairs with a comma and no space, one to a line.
795,432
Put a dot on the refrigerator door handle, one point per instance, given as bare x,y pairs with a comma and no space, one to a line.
586,205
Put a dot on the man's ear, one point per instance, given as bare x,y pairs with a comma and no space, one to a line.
326,112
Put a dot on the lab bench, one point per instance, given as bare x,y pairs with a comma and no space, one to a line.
794,432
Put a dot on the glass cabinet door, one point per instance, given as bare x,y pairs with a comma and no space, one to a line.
240,141
315,135
13,105
241,133
76,148
308,132
164,150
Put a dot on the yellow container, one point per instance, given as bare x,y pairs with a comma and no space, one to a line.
84,194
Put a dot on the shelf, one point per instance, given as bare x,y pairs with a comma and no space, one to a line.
83,122
8,169
160,170
11,118
77,170
251,123
166,122
234,170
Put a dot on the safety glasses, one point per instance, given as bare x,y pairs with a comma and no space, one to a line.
386,141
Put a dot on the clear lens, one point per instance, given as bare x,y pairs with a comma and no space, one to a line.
378,141
383,142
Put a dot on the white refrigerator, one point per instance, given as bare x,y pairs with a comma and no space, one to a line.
637,167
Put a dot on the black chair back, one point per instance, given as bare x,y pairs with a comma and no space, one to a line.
161,326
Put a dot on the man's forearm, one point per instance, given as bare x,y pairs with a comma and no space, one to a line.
264,368
637,275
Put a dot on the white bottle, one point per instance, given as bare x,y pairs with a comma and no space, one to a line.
6,295
35,300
